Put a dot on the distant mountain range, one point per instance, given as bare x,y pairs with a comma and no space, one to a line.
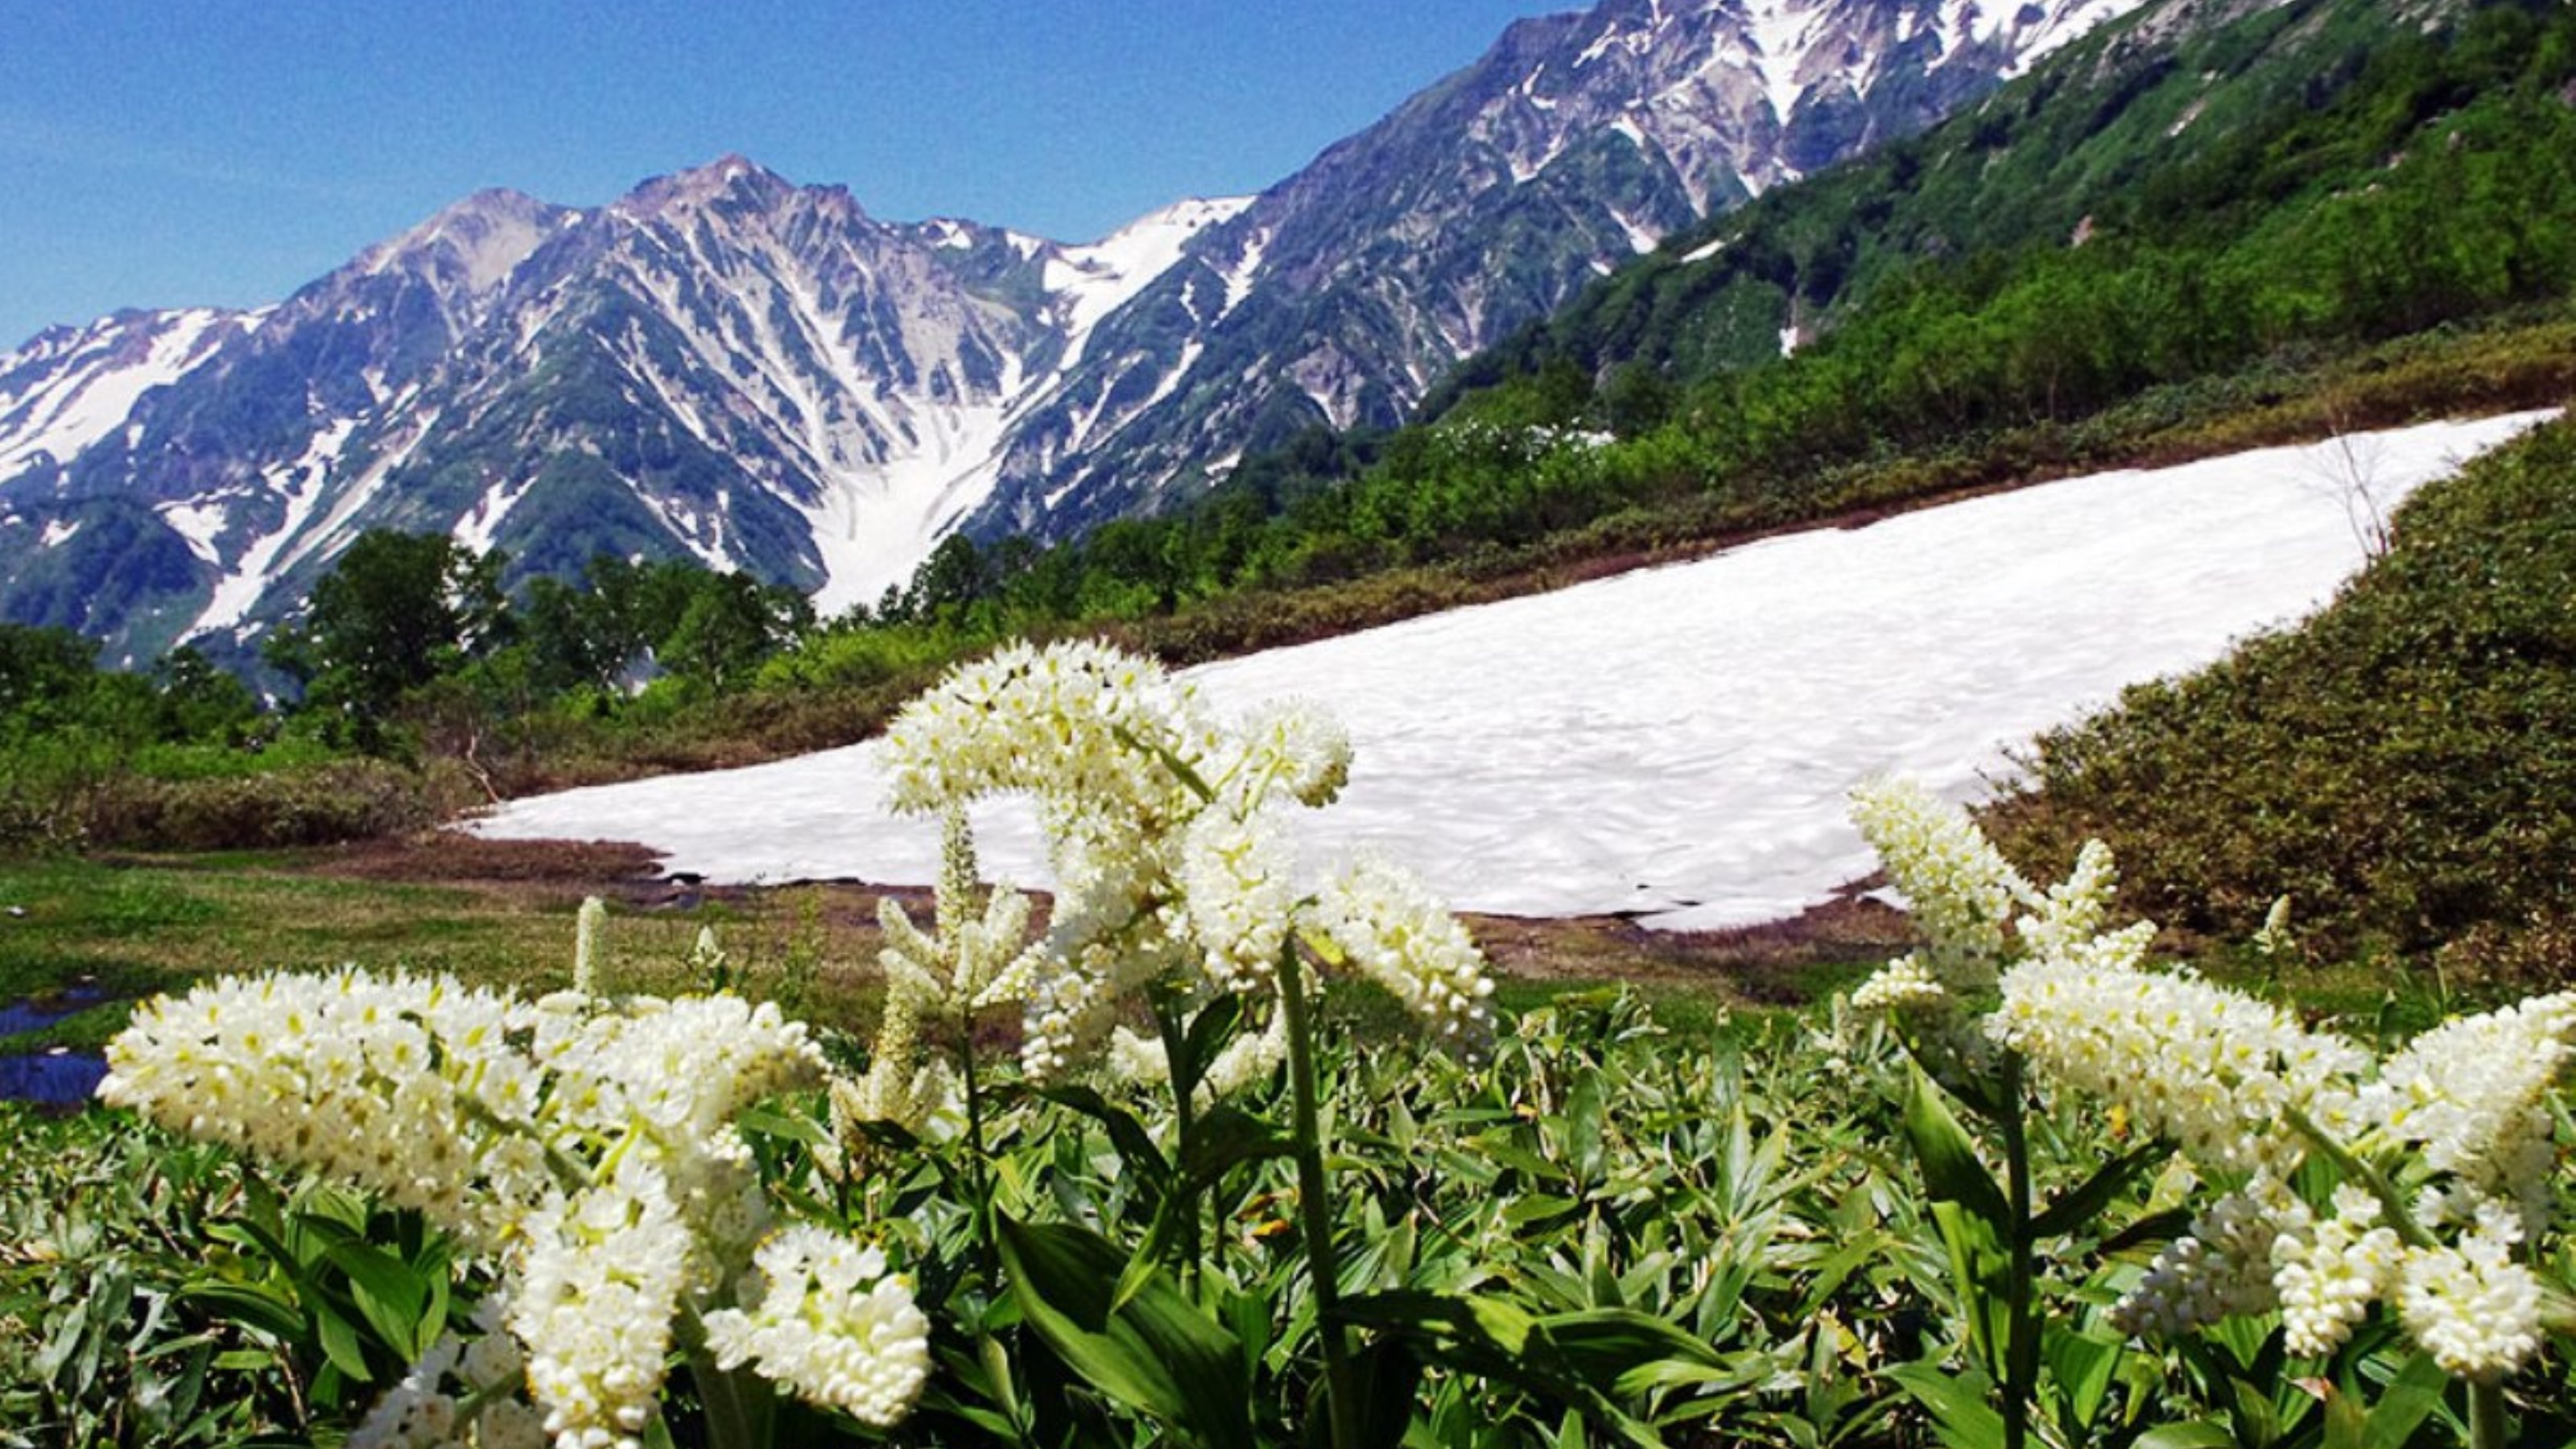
727,366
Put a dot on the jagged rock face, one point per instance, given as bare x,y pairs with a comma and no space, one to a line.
1487,200
727,366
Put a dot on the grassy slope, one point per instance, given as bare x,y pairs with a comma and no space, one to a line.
2404,765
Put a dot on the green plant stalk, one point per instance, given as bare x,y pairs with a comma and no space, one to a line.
1314,1202
978,1168
739,1405
1175,1033
2401,1217
2487,1429
2021,1349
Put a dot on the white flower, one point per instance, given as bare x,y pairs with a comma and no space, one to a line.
586,1148
588,926
2329,1273
2213,1070
2274,940
1236,885
2222,1267
831,1324
1390,927
603,1275
1959,888
2472,1093
2473,1308
1295,746
1904,984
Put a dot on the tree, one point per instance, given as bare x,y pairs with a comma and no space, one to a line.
398,611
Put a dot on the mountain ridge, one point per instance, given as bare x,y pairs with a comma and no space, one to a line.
728,366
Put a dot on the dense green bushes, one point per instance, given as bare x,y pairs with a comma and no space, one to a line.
2404,765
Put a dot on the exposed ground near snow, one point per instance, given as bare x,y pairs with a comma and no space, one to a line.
1677,742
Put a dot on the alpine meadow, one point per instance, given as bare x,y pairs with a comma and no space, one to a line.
1837,724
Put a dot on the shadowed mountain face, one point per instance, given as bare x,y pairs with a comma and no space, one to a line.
726,366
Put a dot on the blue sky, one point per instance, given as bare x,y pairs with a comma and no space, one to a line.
182,153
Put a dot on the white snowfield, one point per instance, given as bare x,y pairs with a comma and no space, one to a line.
1677,742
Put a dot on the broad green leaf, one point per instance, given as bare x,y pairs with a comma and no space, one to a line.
249,1306
1225,1139
2407,1401
768,1121
2083,1368
2074,1211
340,1344
1135,1145
1962,1405
1206,1037
2198,1434
390,1295
1952,1171
1157,1353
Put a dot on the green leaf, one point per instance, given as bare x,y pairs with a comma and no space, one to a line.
1135,1145
2198,1434
1206,1037
793,1126
1157,1352
2408,1401
1952,1171
2072,1212
390,1295
1225,1139
249,1306
1963,1411
340,1345
2161,1227
2083,1367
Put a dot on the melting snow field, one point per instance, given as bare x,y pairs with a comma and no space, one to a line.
1677,742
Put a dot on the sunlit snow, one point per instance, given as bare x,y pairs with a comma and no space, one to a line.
1677,742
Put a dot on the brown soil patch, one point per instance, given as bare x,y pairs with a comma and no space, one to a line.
1767,964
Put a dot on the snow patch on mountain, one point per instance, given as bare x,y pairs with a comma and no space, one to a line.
874,529
1096,279
303,485
69,388
1694,773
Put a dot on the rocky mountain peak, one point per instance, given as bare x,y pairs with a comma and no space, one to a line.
472,246
731,181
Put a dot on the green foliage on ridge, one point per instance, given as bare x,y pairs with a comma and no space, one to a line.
2403,766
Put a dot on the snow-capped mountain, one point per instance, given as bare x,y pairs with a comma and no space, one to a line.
728,366
1485,201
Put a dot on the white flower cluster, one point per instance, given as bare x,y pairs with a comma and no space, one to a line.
1960,890
2471,1095
1390,926
1904,984
2460,1117
2472,1307
2220,1074
459,1395
2328,1275
832,1324
585,1147
2221,1268
2211,1069
1169,840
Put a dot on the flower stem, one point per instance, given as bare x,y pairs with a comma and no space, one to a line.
738,1404
1314,1202
2487,1429
2021,1347
2401,1216
978,1167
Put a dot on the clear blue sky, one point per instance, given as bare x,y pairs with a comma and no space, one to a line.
184,153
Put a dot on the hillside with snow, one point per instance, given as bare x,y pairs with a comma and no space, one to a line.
1677,743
